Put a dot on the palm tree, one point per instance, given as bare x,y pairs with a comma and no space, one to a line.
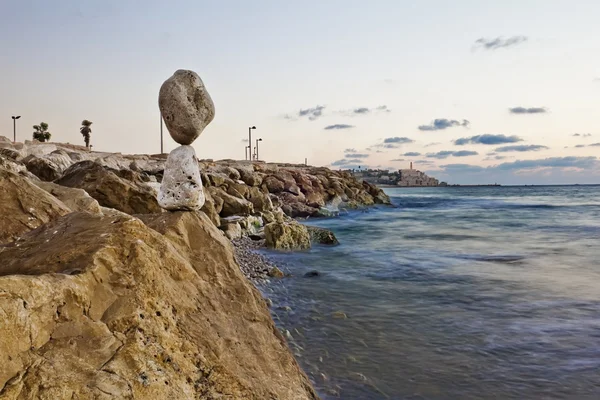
85,131
41,132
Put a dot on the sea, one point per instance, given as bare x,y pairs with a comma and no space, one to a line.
451,293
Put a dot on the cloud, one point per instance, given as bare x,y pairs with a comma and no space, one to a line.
589,145
397,139
365,110
448,153
398,159
595,145
432,144
352,150
582,134
580,146
346,161
553,162
488,139
338,126
312,113
597,80
356,155
411,154
462,168
499,42
443,123
524,147
531,110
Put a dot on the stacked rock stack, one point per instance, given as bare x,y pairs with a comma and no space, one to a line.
187,109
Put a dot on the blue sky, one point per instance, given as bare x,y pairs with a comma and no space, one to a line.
484,92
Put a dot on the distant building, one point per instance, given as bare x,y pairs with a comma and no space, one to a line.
413,177
405,177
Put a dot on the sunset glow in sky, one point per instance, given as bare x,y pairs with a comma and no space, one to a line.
469,91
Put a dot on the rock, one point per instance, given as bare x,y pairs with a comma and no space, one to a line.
260,200
185,105
75,199
181,187
276,273
11,154
339,315
232,230
43,168
287,236
250,177
109,307
312,274
210,209
24,207
273,185
235,205
104,185
321,236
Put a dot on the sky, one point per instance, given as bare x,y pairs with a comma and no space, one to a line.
469,91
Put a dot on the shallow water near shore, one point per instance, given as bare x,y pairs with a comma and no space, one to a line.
470,293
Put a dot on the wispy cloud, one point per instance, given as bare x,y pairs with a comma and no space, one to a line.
488,139
448,153
499,42
398,160
553,162
530,110
358,111
443,123
356,155
312,113
411,154
397,139
582,134
338,126
595,145
432,144
588,145
521,148
350,150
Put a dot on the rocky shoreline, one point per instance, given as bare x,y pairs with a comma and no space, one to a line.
103,294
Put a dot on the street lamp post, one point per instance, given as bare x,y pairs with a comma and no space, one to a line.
257,140
249,155
15,127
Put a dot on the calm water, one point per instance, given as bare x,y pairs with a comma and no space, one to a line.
458,293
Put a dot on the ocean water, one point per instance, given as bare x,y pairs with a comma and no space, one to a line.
455,293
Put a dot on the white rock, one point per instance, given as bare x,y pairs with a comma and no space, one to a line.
181,187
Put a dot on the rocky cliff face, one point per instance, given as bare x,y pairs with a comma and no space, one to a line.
112,306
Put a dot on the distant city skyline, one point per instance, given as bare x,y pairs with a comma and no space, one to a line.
470,92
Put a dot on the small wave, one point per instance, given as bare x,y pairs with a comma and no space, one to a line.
503,258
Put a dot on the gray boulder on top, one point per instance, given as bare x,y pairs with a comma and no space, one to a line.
186,106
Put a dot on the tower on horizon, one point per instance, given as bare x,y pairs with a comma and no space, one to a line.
411,165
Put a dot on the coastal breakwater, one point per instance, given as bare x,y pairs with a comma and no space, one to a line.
104,295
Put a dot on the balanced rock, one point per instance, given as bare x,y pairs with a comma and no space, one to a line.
185,105
181,187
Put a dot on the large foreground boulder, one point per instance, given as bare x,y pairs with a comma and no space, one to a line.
287,236
75,199
24,206
109,307
130,196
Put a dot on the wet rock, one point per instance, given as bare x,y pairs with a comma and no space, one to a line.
312,274
321,236
181,187
186,106
287,236
276,273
